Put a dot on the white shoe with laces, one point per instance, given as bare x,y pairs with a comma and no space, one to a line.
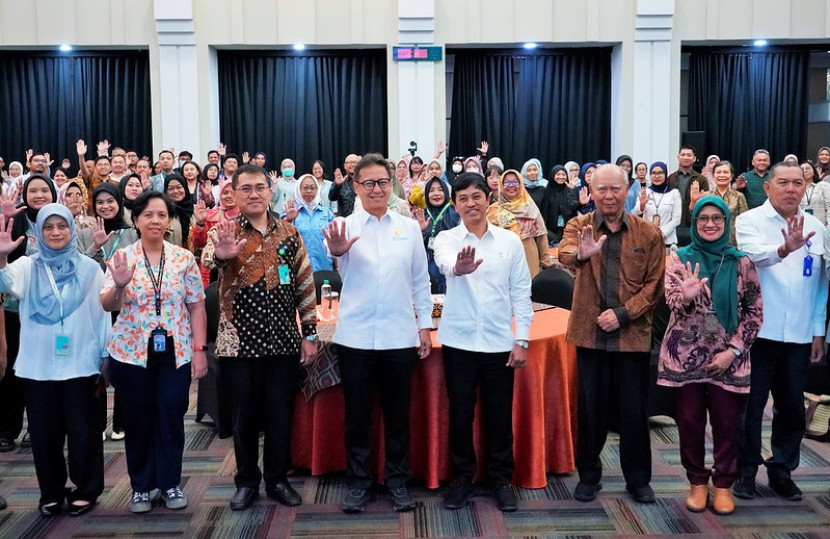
174,498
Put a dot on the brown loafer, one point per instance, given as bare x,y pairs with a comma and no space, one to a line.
697,498
723,503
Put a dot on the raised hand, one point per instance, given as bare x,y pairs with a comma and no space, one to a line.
740,183
29,153
207,193
291,210
336,238
338,177
588,246
122,273
200,212
81,147
441,147
694,194
793,234
643,198
66,163
49,160
103,147
222,149
483,148
99,234
8,202
419,216
273,176
691,285
584,196
7,244
465,262
145,181
245,157
226,246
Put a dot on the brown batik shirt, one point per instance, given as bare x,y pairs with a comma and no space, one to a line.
262,290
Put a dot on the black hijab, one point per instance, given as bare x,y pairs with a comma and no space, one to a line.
184,208
117,222
555,200
122,189
21,221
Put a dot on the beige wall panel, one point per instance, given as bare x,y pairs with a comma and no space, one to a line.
94,22
261,22
18,22
771,18
331,24
809,18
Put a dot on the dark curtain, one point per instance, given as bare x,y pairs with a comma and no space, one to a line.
314,106
552,105
50,100
749,100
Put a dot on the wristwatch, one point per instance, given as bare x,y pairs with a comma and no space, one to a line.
199,348
735,350
523,343
311,338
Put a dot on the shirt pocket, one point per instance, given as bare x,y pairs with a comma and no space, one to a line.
634,265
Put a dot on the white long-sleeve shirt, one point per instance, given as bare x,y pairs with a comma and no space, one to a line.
385,281
794,305
479,307
668,207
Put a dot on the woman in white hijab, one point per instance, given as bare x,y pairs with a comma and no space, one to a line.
310,217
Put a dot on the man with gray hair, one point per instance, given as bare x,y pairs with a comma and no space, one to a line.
619,261
751,183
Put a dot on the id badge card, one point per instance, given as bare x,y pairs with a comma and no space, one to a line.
61,345
285,274
808,210
158,338
710,323
431,243
656,220
808,266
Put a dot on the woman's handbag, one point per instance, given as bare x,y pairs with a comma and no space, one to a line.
817,414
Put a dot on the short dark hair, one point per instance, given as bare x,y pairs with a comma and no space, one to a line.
211,152
102,158
470,179
726,163
143,200
785,164
185,153
166,151
249,169
231,156
687,147
366,161
815,170
491,169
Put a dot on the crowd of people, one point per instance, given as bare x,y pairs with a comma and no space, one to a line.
739,259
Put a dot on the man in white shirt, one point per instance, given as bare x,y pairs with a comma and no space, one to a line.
794,288
488,285
384,269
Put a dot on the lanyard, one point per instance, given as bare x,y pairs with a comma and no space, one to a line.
156,282
55,290
436,219
809,194
114,246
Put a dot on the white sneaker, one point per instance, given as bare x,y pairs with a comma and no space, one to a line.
116,435
174,498
141,503
104,436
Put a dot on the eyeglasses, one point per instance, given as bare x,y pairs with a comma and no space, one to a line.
369,185
309,187
39,160
602,189
514,183
657,173
246,190
716,219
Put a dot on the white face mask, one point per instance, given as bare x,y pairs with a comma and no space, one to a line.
457,168
472,169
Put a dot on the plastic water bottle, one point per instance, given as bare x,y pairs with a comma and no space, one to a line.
324,310
325,292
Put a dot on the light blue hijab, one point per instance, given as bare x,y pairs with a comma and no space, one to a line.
72,271
539,181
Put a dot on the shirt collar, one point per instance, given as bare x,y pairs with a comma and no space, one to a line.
365,217
465,232
770,211
599,220
245,224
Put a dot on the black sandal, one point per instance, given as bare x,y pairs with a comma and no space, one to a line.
80,507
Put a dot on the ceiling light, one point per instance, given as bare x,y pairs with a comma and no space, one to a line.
530,45
65,48
299,47
760,42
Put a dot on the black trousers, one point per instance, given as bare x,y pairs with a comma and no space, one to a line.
263,390
364,372
66,411
466,372
611,381
12,388
781,369
157,398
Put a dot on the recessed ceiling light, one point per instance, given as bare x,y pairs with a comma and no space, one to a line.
530,45
760,42
299,47
65,47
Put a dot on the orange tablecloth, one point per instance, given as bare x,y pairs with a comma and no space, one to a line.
544,415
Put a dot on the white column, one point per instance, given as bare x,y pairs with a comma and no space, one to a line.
419,98
178,77
651,126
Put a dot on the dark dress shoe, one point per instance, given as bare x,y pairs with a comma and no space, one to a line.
460,491
26,441
585,492
78,507
355,501
50,509
6,445
243,499
506,498
786,488
641,494
284,493
401,499
744,488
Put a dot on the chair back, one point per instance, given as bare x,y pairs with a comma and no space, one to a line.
327,275
553,286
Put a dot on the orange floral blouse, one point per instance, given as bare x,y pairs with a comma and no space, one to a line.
182,284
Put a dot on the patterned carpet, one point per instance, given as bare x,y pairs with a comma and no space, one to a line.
545,513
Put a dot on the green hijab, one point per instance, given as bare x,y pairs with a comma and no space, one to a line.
708,254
